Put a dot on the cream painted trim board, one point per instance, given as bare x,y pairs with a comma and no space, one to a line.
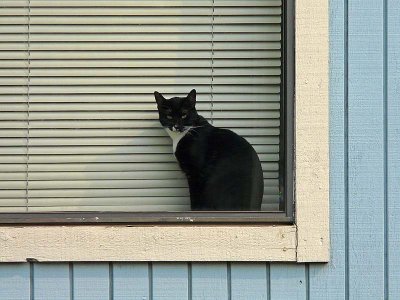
312,130
152,243
307,241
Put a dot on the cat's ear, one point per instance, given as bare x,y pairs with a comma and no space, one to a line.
159,98
192,97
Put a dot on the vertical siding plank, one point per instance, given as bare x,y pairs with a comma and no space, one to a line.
131,281
249,281
288,281
51,281
393,149
91,281
14,281
327,281
209,281
366,150
170,281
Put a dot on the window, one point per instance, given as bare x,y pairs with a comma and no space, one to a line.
307,240
81,131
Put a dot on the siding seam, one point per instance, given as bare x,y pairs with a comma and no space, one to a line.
307,279
268,277
190,293
229,279
71,281
31,281
150,266
111,280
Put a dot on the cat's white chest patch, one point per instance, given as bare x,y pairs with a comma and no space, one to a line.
176,136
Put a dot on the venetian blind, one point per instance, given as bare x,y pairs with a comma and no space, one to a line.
79,127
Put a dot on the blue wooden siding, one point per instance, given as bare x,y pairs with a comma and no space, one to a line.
365,203
364,197
393,150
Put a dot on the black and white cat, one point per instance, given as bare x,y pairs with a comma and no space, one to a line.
222,168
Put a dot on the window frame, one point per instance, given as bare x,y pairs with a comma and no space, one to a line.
307,240
285,215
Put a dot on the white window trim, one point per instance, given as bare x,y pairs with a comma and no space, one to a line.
305,241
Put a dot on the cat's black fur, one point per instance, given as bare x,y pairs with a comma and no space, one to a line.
222,168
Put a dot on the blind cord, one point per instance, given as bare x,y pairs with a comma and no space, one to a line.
28,108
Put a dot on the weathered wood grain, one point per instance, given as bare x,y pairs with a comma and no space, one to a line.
151,243
312,130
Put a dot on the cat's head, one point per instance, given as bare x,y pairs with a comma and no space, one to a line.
177,113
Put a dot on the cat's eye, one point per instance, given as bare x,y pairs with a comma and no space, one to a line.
184,116
169,117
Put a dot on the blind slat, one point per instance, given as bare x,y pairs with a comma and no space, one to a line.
107,167
118,201
249,123
146,192
142,72
161,19
165,37
117,133
133,115
15,150
147,28
130,208
148,175
38,185
147,11
73,55
105,184
138,3
132,63
126,89
138,46
117,158
151,81
115,167
133,98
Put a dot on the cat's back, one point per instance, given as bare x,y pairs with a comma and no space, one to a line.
231,153
226,165
211,145
221,138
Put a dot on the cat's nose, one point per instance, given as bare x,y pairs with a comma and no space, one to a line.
178,128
